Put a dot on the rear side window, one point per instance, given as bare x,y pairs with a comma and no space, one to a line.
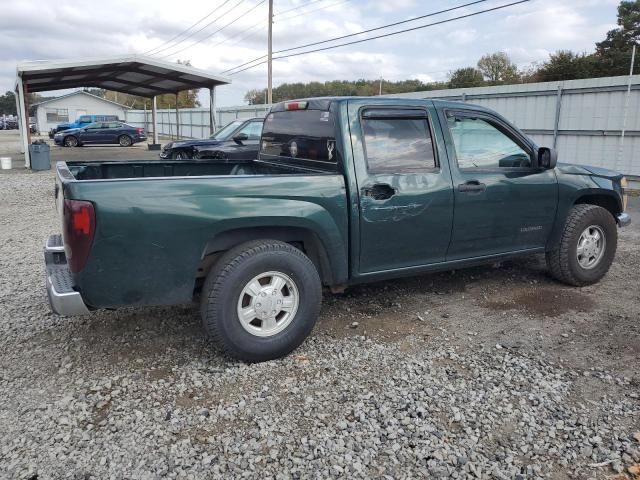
300,134
398,145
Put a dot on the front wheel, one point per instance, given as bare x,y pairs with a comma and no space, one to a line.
70,141
261,300
586,248
181,155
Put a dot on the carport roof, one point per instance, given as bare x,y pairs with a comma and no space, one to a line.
134,74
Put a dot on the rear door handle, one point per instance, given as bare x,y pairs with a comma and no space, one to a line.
379,191
473,186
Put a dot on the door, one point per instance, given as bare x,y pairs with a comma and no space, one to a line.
405,193
503,201
248,148
111,131
91,133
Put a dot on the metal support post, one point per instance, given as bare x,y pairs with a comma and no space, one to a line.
556,122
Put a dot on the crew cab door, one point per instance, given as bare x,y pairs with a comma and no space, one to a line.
404,191
503,201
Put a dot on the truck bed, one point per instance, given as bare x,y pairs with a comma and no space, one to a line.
108,170
157,221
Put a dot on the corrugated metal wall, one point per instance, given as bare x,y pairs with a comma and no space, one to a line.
194,122
590,116
583,118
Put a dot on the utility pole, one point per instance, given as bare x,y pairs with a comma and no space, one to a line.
270,66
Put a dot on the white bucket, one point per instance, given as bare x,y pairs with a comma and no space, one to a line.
6,163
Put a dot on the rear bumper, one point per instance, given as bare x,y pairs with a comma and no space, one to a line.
623,219
63,299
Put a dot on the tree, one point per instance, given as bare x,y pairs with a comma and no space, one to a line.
465,77
614,52
567,65
497,68
8,104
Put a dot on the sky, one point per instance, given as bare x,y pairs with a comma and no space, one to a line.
76,29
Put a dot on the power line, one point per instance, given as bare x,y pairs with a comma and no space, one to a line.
499,7
315,10
216,31
361,32
200,29
185,31
297,8
252,27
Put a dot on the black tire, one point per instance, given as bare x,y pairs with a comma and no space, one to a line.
125,141
71,141
225,283
181,155
562,261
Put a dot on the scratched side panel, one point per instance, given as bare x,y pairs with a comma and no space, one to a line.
151,233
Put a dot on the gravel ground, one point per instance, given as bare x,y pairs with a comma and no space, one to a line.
494,372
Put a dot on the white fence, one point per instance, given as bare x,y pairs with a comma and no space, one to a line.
583,119
194,122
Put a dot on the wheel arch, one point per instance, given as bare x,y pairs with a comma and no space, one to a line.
302,238
606,199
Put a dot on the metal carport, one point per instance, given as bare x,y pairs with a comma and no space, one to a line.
133,74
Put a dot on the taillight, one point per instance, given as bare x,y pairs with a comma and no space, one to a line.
139,131
295,105
79,229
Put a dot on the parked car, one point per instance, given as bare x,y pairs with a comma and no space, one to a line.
239,139
83,121
101,133
10,124
344,191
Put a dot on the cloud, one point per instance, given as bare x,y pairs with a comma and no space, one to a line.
42,29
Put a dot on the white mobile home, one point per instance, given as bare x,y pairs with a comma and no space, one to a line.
68,108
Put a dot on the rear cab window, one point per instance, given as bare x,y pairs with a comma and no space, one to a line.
303,136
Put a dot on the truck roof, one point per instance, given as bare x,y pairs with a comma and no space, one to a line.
324,103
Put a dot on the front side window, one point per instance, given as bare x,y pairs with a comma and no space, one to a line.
85,119
479,144
398,145
94,126
253,130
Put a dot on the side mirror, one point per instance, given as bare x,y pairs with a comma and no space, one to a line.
547,158
241,137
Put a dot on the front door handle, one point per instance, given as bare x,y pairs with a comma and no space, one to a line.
379,191
472,186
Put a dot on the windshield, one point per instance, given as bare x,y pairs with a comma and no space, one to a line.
225,132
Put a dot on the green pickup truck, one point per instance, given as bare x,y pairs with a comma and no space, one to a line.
344,191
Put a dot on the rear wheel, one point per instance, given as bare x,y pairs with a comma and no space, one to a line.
261,300
125,141
70,141
586,248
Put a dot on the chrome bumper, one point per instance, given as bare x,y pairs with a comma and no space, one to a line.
623,219
63,299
